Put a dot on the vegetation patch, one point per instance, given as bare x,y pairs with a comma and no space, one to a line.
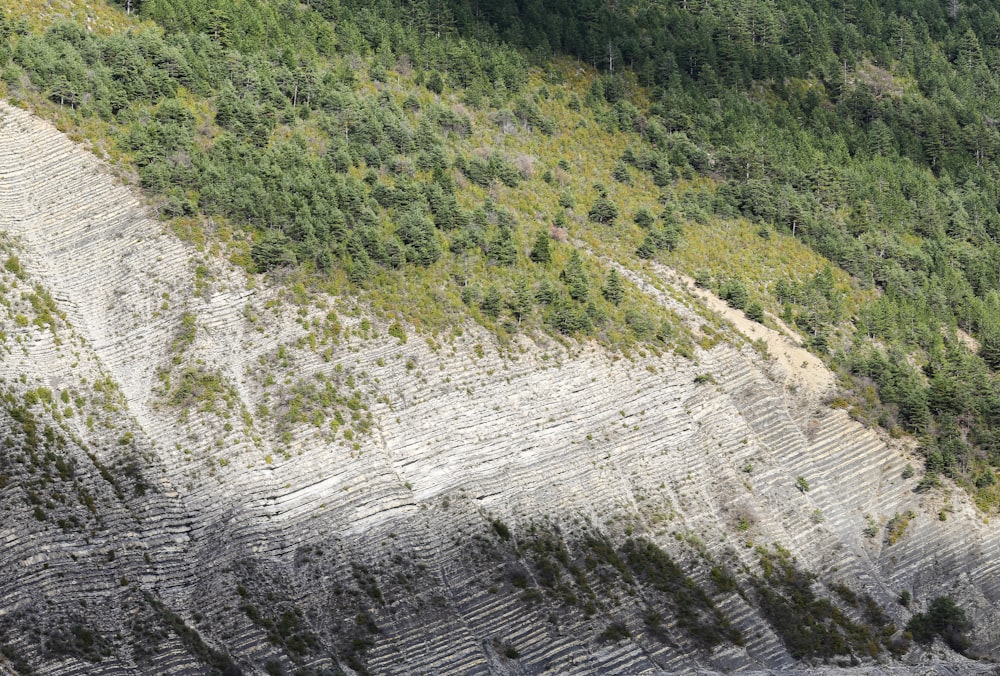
416,158
197,388
694,609
320,403
591,573
813,627
79,639
217,660
896,528
944,619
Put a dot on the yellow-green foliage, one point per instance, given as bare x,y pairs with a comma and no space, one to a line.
198,388
95,15
578,155
734,249
985,486
726,248
427,299
319,403
897,525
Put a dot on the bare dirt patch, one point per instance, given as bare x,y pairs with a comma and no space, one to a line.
801,368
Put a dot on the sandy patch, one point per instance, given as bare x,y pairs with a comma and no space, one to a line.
800,368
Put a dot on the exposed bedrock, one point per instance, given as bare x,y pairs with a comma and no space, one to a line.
200,474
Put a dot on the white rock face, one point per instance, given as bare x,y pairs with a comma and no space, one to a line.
234,514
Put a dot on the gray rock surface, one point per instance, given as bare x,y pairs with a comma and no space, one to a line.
199,473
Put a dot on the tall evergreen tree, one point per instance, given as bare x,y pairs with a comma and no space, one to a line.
541,251
613,289
575,278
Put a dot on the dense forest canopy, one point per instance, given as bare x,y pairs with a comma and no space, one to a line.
395,144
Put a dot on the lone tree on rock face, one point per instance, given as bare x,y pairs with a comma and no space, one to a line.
945,619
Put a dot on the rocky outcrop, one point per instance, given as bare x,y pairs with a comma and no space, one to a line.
258,482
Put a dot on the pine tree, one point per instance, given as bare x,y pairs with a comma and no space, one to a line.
546,292
648,248
492,302
576,278
521,302
989,347
419,236
670,236
541,251
643,218
613,290
502,250
603,211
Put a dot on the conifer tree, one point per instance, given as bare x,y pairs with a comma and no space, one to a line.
521,302
492,302
613,290
541,251
576,278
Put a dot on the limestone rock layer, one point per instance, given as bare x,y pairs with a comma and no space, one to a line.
200,475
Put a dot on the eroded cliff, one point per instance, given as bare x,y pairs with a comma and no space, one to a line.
202,472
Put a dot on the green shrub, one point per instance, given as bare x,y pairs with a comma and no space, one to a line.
945,619
603,211
754,311
735,294
614,632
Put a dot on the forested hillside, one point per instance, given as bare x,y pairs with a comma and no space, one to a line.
365,337
469,159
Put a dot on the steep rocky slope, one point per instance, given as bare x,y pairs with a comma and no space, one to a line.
203,472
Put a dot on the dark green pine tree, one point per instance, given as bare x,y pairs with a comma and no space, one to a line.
614,289
603,211
575,277
521,302
502,250
541,251
643,218
648,248
989,348
492,302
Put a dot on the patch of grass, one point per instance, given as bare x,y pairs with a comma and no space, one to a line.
896,528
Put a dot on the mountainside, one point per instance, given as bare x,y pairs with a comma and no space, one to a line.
544,508
433,158
431,337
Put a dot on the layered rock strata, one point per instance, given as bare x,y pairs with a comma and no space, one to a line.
201,474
